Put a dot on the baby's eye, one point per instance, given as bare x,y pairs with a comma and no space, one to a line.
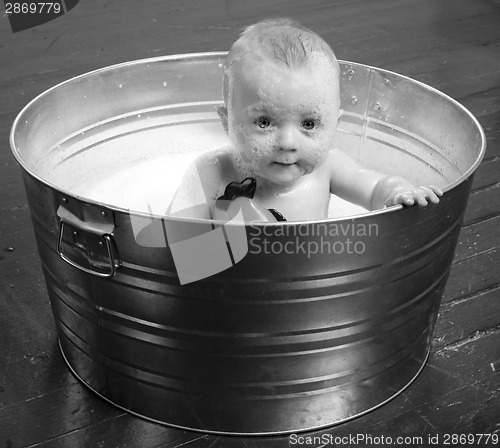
308,125
263,122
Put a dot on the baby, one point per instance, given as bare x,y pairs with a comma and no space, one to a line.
281,110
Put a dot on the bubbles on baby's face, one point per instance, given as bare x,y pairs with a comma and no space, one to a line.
282,120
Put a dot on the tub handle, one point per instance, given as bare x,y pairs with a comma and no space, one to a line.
102,230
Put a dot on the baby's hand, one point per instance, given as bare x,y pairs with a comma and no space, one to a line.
420,195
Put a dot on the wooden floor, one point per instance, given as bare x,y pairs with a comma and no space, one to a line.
453,45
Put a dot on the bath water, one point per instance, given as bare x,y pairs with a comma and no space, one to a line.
136,162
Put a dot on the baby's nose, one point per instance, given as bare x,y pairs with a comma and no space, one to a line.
288,138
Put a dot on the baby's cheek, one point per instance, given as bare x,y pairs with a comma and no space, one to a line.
317,155
245,145
257,146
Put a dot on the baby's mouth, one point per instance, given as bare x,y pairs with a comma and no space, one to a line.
284,163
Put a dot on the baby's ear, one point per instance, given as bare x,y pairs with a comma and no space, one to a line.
222,113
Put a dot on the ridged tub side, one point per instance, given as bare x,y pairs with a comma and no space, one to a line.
277,343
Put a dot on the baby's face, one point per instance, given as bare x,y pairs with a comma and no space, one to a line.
283,120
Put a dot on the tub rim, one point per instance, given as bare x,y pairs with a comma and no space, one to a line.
222,54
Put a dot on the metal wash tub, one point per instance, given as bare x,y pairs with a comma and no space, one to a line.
316,322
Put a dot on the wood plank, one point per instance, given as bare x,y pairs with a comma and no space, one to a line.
127,431
483,204
462,318
26,319
44,417
487,174
472,275
473,361
492,140
477,239
33,376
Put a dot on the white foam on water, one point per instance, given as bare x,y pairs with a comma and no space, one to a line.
140,170
137,171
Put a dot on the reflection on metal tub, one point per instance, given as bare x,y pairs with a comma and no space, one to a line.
317,323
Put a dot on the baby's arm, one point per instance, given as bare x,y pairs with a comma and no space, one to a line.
392,190
373,190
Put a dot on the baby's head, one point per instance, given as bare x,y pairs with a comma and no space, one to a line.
281,99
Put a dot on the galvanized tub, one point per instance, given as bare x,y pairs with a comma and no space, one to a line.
314,323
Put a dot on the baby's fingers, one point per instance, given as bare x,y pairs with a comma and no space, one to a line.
436,190
403,197
421,197
406,198
431,193
423,194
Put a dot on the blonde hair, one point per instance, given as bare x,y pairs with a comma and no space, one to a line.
280,40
